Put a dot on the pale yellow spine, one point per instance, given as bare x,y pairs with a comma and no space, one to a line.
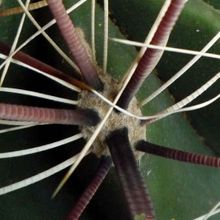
18,10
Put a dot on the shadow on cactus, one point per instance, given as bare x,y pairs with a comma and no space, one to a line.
85,115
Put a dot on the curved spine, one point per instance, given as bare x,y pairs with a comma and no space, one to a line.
48,115
77,49
29,60
152,56
178,154
89,192
137,197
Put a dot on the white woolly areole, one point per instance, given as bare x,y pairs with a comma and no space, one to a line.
116,120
